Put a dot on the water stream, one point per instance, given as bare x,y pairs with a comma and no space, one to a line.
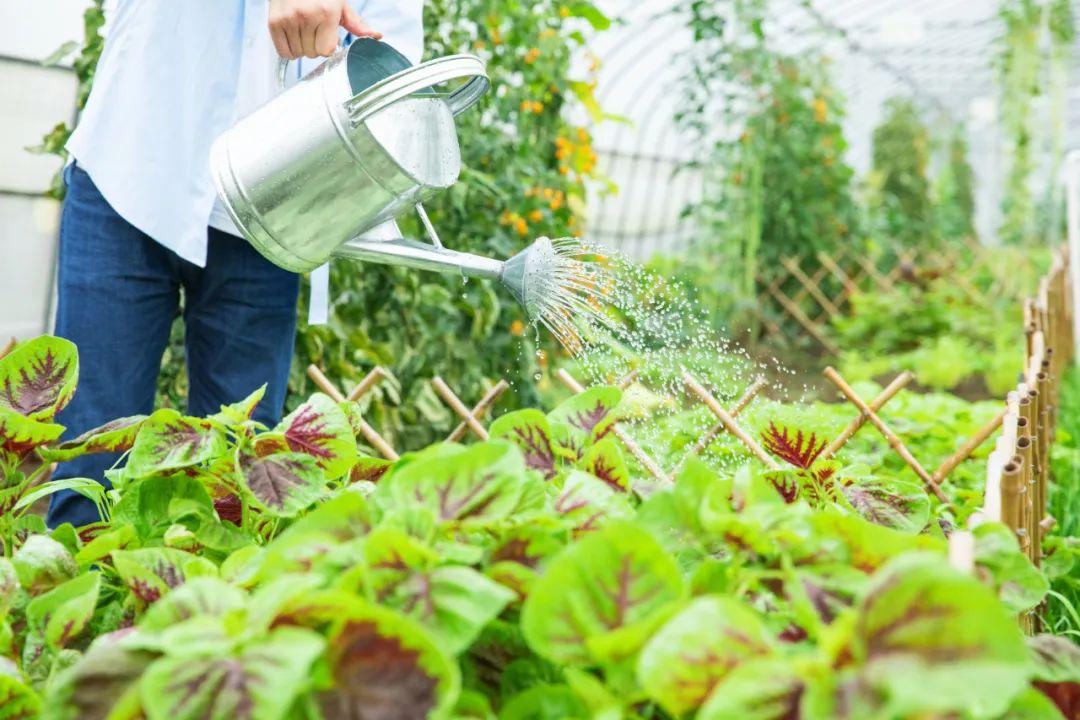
614,317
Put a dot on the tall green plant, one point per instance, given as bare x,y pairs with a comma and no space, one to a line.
955,191
1020,66
776,181
901,186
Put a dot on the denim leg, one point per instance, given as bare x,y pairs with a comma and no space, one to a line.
117,294
240,317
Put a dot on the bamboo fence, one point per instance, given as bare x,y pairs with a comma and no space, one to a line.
1018,470
806,293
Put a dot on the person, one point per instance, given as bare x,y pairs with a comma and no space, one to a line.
141,223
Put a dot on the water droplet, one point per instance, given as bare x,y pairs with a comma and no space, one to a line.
537,377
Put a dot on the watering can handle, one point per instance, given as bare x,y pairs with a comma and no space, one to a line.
400,85
283,66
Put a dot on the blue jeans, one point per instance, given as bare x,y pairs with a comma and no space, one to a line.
118,294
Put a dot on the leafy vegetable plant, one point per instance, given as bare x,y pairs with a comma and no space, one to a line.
242,571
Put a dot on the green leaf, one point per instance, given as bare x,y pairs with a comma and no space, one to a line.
41,564
587,502
150,573
590,13
320,428
365,643
283,484
530,431
696,649
240,412
767,689
545,702
932,639
455,602
1018,583
146,504
86,487
593,411
38,377
18,701
114,436
260,681
477,485
9,585
57,55
898,504
605,461
19,435
101,685
599,596
170,441
61,614
1056,672
1032,705
198,596
120,536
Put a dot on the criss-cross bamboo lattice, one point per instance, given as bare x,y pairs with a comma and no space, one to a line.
805,293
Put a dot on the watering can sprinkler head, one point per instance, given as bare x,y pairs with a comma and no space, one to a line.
529,275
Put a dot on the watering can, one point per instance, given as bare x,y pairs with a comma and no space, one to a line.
323,169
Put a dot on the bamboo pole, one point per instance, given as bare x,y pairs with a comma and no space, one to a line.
1025,448
450,398
706,439
894,442
628,442
898,384
370,434
1011,479
809,325
478,410
965,450
811,287
729,422
376,374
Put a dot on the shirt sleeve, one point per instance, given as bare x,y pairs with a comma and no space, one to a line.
400,21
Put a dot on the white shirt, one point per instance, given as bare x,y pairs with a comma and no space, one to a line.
173,76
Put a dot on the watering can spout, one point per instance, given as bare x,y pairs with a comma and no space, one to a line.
514,274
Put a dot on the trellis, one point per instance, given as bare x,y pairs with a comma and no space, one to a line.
806,293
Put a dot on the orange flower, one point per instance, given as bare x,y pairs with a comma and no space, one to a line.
536,216
821,110
531,56
521,226
517,328
564,12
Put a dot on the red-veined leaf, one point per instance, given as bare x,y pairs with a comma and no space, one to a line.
529,430
171,441
38,377
282,484
115,436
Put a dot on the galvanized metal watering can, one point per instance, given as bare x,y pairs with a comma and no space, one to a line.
322,170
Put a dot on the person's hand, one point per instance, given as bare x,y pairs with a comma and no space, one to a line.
310,27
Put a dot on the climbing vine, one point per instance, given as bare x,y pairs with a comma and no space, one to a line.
900,186
770,127
1020,67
